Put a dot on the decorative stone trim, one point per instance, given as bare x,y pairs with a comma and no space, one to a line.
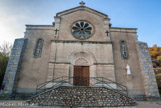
88,42
123,30
39,29
103,64
84,8
60,62
70,63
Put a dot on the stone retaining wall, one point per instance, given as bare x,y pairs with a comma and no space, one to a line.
82,96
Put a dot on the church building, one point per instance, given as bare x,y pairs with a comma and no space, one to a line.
83,47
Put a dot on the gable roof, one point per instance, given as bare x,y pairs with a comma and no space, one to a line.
81,8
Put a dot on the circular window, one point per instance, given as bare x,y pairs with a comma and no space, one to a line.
82,30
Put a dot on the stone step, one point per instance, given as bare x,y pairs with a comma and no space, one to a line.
82,96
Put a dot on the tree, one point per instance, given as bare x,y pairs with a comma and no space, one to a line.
3,63
159,58
155,51
5,50
154,54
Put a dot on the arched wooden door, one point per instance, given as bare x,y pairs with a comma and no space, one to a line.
81,76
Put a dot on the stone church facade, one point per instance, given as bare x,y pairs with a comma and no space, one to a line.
81,40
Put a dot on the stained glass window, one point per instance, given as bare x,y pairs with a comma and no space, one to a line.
82,30
38,48
124,52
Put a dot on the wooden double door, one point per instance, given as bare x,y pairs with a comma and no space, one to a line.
81,76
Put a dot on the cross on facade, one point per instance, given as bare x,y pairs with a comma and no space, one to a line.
56,31
82,3
107,32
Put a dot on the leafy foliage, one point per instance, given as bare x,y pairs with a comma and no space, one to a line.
155,53
3,63
159,58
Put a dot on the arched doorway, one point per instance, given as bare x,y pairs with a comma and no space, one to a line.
81,72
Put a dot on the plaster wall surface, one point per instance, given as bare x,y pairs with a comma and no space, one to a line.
34,70
130,37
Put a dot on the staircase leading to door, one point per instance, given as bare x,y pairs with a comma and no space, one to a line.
100,93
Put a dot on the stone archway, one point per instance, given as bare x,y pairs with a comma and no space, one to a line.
78,55
82,59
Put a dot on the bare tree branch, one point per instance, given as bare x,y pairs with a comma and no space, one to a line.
5,48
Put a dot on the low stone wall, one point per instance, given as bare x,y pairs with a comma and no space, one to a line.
82,96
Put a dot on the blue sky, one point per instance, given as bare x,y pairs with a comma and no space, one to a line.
142,14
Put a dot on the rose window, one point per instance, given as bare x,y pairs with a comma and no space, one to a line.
82,30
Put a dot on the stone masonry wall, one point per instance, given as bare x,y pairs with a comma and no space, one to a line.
13,66
149,80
